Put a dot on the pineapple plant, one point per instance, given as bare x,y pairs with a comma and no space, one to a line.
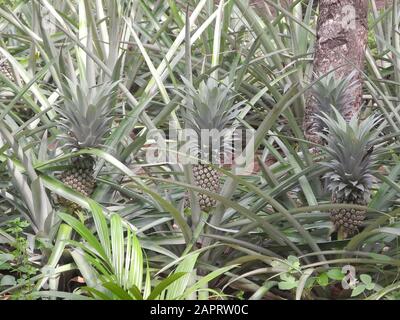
351,147
210,107
85,119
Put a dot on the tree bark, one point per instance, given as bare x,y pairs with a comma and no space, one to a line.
342,29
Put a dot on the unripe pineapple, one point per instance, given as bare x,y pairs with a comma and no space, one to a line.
80,178
85,120
5,68
350,146
206,177
349,219
80,175
210,107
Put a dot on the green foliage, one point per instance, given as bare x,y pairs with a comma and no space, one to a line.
366,284
293,277
15,262
111,72
115,268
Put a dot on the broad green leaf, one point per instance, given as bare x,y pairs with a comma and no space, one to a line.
366,279
7,281
335,274
358,290
323,279
283,285
186,266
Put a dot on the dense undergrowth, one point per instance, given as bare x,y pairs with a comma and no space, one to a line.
85,215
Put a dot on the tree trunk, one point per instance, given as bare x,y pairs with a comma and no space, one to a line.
342,29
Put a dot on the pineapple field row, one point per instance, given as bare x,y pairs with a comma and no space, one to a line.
199,150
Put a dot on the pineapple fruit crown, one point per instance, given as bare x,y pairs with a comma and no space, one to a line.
85,117
329,90
352,148
211,106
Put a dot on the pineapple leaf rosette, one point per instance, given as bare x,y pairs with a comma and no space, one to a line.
330,91
210,114
352,148
84,119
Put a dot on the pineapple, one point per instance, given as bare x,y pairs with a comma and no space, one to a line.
350,146
210,107
85,119
5,68
326,92
206,178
